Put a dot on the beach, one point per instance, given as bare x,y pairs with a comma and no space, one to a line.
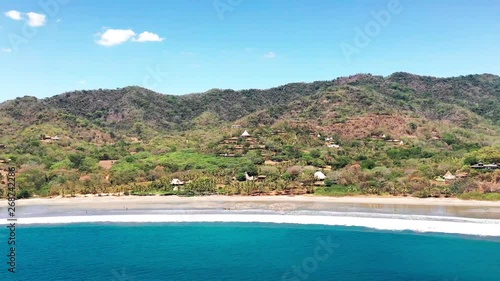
401,213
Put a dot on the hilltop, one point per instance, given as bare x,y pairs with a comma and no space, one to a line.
369,134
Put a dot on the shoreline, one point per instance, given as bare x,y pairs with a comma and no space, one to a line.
279,198
479,218
473,227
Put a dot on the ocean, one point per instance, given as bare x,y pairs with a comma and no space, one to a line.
245,251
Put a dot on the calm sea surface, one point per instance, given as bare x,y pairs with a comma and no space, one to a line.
236,251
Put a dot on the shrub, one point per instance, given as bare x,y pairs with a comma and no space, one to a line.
241,176
315,153
368,164
24,193
361,157
450,139
329,182
413,126
340,162
251,170
76,160
470,160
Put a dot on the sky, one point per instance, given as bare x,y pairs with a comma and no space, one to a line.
48,47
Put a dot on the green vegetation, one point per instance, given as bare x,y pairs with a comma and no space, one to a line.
395,135
337,190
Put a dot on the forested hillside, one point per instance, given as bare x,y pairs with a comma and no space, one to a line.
369,134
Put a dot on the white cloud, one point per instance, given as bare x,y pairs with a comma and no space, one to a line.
32,18
112,37
149,37
35,19
270,55
7,50
15,15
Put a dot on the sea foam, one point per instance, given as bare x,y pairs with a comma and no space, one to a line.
467,226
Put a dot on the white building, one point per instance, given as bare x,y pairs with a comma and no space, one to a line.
319,176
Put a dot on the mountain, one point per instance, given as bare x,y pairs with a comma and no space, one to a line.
454,99
451,118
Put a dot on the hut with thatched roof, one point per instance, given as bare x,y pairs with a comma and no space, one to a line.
249,178
449,176
176,182
245,134
319,176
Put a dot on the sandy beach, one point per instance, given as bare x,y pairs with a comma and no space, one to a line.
422,215
390,205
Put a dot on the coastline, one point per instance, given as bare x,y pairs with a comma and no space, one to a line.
481,218
105,205
475,227
280,198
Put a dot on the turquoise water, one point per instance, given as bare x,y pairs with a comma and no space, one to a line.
214,251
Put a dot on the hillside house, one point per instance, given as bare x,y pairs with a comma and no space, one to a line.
55,138
3,146
245,134
229,141
333,145
481,166
177,182
261,178
491,166
46,137
236,126
249,178
449,176
319,176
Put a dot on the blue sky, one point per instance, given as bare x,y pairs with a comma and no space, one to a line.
183,46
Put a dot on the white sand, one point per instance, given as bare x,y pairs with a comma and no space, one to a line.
216,198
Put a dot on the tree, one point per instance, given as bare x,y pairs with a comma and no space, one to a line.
315,153
341,162
76,160
251,170
470,160
241,176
